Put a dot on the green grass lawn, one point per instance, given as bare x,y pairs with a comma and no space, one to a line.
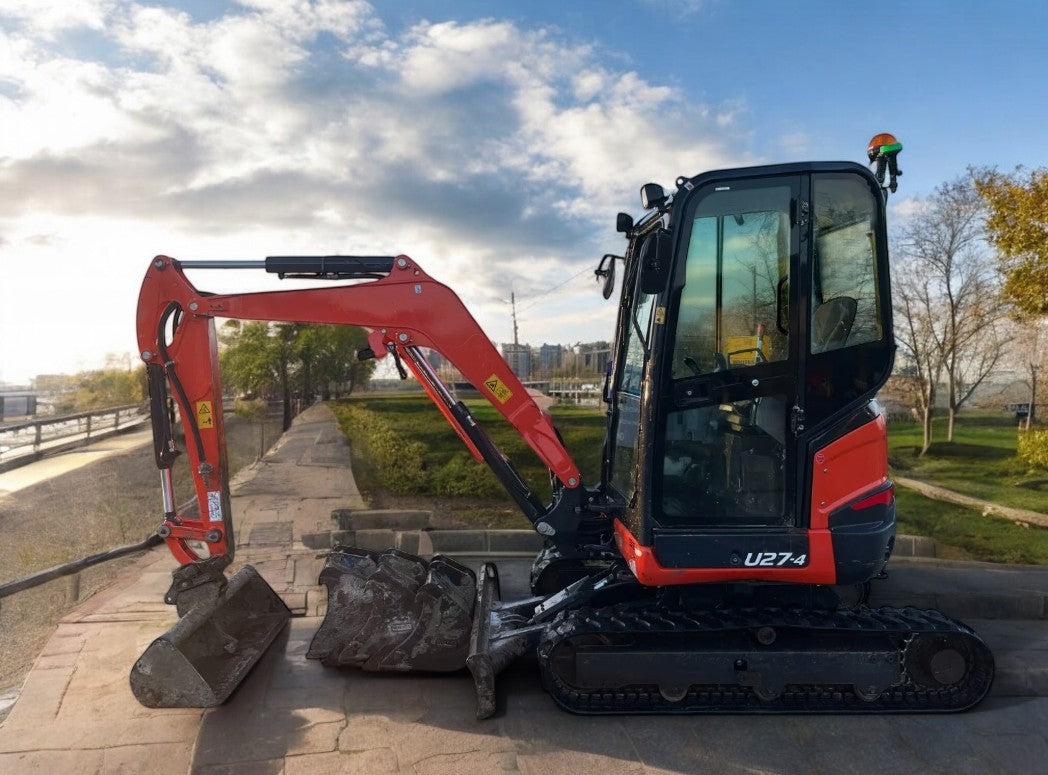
963,533
980,462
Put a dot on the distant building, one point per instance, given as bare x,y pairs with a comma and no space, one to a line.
551,357
544,362
15,404
518,356
594,357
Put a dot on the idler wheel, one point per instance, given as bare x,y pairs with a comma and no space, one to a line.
938,660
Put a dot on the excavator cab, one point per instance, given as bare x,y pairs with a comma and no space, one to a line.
754,331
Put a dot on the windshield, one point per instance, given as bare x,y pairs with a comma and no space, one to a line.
736,272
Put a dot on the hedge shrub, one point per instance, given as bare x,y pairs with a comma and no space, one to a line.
1033,449
399,462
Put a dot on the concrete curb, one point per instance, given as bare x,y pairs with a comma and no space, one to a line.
504,542
410,531
496,543
914,546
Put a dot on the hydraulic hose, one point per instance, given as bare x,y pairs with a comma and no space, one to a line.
176,383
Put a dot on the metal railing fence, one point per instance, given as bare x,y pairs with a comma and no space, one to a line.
24,442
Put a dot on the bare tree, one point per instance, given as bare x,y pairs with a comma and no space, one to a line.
1032,353
919,336
951,318
976,337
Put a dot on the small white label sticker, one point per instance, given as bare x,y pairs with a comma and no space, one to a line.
214,506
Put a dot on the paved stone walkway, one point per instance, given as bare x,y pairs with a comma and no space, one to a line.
76,713
41,470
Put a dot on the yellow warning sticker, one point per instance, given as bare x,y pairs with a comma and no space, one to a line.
205,419
742,350
499,390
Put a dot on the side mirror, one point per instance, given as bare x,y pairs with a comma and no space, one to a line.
623,223
655,254
651,195
606,269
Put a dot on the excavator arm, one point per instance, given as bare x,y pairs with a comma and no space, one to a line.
403,309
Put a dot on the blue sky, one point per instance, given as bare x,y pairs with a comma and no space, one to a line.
492,141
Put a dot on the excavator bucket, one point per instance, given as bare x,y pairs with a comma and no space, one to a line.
397,612
223,631
394,611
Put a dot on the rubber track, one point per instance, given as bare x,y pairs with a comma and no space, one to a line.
901,624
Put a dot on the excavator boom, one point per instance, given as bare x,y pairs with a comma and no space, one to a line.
403,309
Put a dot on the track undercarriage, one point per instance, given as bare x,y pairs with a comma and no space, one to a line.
607,645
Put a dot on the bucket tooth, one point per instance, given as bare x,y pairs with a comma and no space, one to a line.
394,612
210,650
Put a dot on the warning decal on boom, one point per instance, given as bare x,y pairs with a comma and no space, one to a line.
205,419
498,389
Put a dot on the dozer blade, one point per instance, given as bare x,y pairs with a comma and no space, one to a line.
501,633
394,611
209,651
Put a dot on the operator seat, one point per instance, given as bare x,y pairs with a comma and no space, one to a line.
832,323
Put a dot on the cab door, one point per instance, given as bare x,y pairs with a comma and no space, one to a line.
730,374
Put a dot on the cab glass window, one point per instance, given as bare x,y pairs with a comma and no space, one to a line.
628,398
845,308
736,282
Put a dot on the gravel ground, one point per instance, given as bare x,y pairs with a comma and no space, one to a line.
109,503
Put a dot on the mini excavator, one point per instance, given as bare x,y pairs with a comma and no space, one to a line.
721,563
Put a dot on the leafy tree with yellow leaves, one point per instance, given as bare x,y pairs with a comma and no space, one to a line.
1017,225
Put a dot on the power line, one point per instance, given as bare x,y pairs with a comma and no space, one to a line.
542,294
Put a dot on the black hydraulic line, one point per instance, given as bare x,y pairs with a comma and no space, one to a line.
500,465
497,461
50,574
160,416
169,367
347,267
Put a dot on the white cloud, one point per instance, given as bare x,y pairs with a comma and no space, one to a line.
589,84
46,18
440,59
495,154
901,210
